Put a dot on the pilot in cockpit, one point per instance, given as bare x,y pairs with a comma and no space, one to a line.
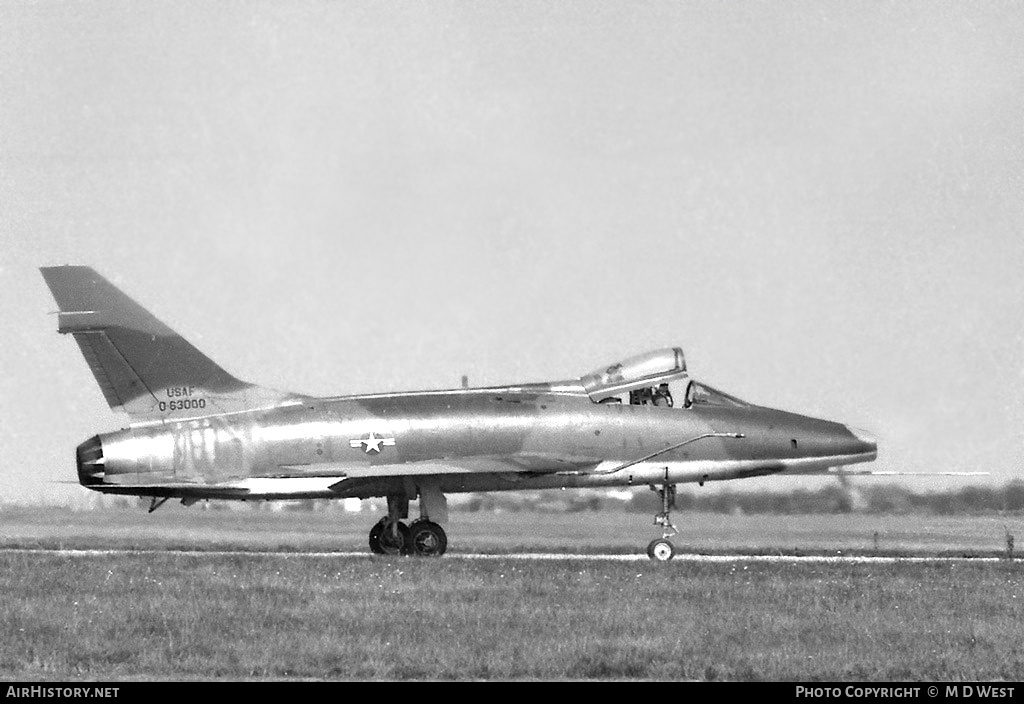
662,397
645,378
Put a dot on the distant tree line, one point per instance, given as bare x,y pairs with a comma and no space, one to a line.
829,499
832,498
836,498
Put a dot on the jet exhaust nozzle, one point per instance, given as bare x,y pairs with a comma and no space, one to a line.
90,462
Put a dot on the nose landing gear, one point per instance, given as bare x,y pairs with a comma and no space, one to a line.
661,549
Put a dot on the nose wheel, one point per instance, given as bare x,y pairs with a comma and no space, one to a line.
661,549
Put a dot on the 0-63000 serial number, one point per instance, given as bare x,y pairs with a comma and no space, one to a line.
185,404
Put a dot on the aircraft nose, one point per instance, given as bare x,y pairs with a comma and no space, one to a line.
868,442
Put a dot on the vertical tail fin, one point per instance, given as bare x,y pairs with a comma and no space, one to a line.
142,366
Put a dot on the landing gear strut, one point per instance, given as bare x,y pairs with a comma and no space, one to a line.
424,537
661,549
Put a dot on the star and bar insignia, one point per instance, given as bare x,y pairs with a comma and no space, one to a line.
372,443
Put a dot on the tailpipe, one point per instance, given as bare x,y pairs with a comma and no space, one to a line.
90,462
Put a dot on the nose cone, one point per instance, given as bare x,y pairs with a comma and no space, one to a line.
808,440
864,442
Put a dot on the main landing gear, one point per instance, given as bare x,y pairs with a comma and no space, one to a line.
662,550
421,537
390,536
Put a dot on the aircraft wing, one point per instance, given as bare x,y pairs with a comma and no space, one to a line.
317,479
254,487
474,465
858,472
324,480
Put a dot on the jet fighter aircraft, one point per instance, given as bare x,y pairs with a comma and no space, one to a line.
197,432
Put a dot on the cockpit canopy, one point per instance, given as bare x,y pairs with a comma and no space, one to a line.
698,394
646,377
642,371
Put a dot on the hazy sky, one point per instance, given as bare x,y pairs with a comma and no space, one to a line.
821,202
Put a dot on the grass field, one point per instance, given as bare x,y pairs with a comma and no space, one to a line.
607,531
176,616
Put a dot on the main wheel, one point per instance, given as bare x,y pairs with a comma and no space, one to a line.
375,532
428,539
385,541
661,550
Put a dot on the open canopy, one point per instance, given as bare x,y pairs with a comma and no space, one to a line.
642,371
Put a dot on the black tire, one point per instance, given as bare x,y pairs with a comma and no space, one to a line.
375,532
428,539
661,550
392,543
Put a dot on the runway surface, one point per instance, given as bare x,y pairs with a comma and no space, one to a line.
851,559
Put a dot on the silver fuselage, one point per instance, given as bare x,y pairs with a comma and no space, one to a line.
471,439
